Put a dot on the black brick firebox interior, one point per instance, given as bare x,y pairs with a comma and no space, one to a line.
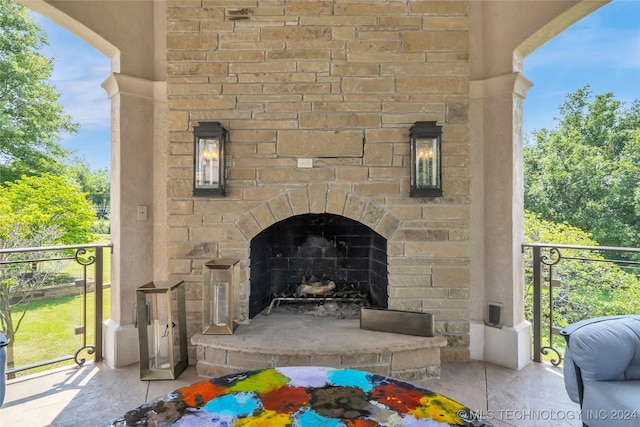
329,247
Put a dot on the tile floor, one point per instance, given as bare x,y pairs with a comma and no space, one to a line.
95,394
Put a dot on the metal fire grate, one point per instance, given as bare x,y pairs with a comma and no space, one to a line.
348,294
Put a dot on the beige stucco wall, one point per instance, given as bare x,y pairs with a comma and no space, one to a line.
376,69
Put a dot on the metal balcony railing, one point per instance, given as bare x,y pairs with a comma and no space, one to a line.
24,275
568,283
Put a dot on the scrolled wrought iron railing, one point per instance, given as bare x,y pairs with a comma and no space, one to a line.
81,255
547,291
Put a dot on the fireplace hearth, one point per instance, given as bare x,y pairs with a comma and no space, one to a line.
321,257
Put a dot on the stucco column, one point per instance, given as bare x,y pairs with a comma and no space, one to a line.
132,197
496,106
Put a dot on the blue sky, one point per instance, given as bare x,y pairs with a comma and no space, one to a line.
602,50
78,72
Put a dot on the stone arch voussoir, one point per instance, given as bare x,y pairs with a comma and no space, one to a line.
304,201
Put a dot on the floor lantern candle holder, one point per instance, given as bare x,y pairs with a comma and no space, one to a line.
220,283
162,330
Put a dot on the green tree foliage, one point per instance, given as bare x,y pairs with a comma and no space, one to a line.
32,204
96,183
584,289
586,172
31,117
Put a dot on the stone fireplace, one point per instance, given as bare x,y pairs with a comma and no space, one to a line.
318,99
329,248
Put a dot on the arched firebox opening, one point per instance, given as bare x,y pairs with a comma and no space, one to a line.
326,247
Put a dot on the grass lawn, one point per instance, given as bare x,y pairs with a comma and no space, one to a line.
74,269
48,329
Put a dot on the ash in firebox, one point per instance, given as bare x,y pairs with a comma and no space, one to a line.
340,310
321,298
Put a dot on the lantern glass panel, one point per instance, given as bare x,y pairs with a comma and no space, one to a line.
427,163
218,296
159,357
208,164
161,320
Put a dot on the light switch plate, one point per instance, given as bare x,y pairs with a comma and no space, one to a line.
142,213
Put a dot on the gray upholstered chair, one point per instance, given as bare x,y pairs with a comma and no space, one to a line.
602,369
3,361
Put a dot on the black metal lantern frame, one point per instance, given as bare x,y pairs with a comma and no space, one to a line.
426,159
209,159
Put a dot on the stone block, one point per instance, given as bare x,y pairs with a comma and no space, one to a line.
317,198
387,225
374,45
432,85
343,33
434,7
353,207
288,175
416,359
368,85
287,360
306,7
263,216
371,215
360,359
336,200
214,355
410,375
370,9
376,188
320,143
296,33
332,361
280,207
380,369
457,112
446,212
209,370
248,226
347,69
336,120
190,41
378,154
249,360
352,174
451,276
461,293
437,249
420,41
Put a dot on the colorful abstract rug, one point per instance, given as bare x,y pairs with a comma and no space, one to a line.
300,397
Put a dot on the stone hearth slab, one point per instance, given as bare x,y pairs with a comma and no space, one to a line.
289,339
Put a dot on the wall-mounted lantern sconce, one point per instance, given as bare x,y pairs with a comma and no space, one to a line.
426,159
209,169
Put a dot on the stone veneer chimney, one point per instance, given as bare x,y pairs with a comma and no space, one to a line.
340,82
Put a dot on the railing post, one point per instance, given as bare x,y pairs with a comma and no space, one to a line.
537,304
98,303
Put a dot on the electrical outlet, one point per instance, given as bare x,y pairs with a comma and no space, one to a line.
305,163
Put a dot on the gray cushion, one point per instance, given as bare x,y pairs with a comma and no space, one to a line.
611,403
608,350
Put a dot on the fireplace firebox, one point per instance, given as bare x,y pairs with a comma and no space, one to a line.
322,247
